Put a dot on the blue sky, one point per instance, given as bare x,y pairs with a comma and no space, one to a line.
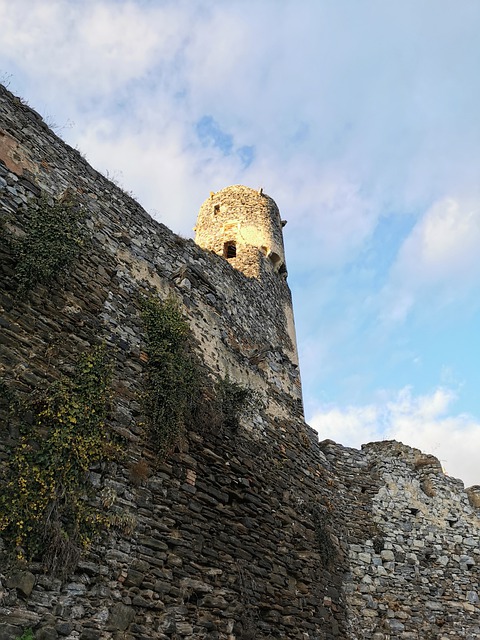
361,119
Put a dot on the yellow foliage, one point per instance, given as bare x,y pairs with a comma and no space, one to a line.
47,478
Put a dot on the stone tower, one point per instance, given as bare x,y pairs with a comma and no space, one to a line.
244,226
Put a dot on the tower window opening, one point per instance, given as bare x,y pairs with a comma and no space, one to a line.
229,250
216,209
276,260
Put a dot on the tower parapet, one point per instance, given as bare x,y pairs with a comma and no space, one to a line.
244,226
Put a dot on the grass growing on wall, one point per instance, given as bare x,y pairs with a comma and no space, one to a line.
44,497
53,240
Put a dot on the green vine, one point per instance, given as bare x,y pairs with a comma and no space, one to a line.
52,242
179,393
173,374
44,508
235,402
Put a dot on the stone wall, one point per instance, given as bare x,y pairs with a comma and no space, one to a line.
258,532
417,575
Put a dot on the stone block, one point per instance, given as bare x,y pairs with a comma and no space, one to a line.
23,581
121,616
46,633
9,632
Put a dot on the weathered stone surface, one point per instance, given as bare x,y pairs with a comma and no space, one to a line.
24,581
121,616
9,632
474,496
46,633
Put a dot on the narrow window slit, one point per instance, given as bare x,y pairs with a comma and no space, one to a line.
230,250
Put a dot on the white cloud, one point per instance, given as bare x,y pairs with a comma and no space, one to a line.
425,422
89,50
444,245
338,110
439,258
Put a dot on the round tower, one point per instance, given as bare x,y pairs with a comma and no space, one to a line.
244,226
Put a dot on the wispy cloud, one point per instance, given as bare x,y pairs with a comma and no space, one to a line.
439,258
92,48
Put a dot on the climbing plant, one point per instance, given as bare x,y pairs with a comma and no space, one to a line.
234,401
53,240
45,511
173,374
179,392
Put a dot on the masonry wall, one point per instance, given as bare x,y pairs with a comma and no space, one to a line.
416,575
256,533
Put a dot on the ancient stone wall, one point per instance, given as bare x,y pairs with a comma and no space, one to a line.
416,575
253,532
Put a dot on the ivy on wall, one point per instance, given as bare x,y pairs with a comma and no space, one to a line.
173,374
52,242
45,512
179,392
234,401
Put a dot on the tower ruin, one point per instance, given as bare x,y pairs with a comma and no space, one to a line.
244,226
